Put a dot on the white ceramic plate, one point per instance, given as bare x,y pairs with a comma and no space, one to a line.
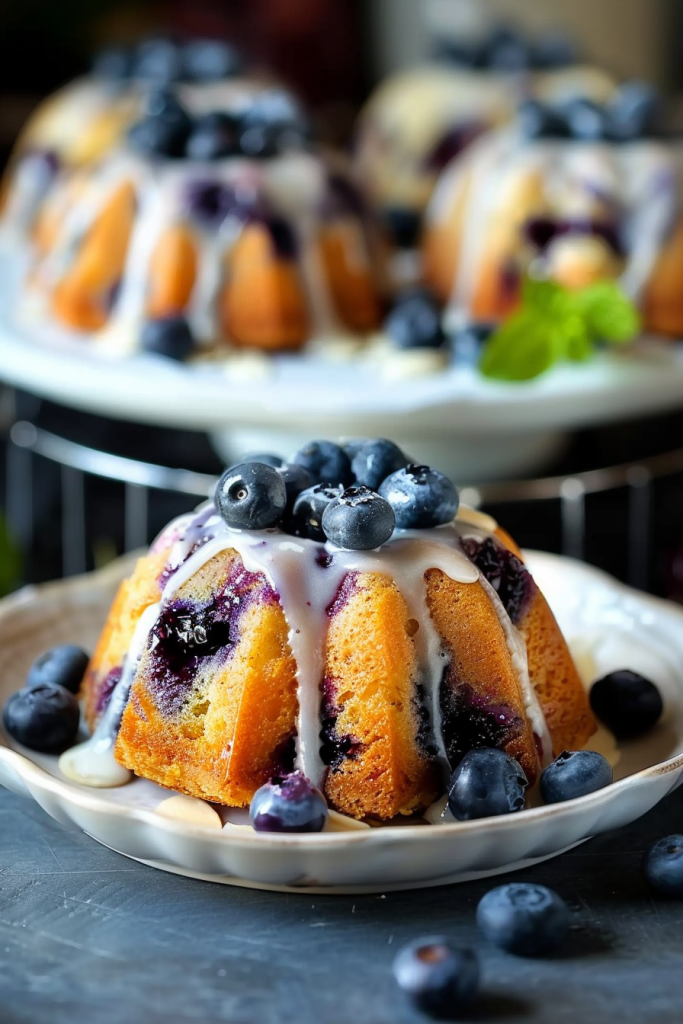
468,426
609,627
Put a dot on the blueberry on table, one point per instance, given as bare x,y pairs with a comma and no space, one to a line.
373,461
44,718
60,666
439,979
487,783
251,496
415,321
627,703
306,519
327,462
358,520
168,336
574,773
289,804
206,60
420,497
663,866
525,919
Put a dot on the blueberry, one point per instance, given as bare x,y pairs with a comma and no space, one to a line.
525,919
375,460
289,804
43,718
467,342
259,141
486,783
251,496
507,51
404,225
115,63
213,137
307,513
585,119
628,703
210,202
267,458
554,50
158,60
296,478
272,123
574,773
205,60
438,978
358,520
415,321
164,129
537,121
635,113
168,336
326,462
60,666
420,497
663,866
353,446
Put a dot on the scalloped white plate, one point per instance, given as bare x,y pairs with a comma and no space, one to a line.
608,625
471,427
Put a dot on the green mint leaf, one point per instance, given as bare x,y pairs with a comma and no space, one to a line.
524,347
608,313
542,296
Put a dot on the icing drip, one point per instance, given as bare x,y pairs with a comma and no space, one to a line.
307,578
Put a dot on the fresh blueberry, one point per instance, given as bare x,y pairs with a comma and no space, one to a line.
486,783
574,773
43,718
663,866
438,978
209,201
251,496
115,64
635,113
358,520
326,462
213,137
420,497
404,225
538,121
158,60
627,703
586,119
164,129
353,446
296,478
375,460
60,666
267,458
554,50
206,60
467,342
415,321
307,514
525,919
507,51
168,336
272,123
289,804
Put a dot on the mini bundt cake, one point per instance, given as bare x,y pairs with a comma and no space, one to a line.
209,221
364,638
578,194
416,121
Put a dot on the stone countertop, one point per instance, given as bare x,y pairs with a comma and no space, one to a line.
89,936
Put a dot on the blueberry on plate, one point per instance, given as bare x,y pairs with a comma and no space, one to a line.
206,60
586,119
60,666
467,342
164,129
525,919
663,866
486,783
44,718
327,463
358,520
415,321
296,478
373,461
251,496
420,497
574,773
168,336
158,60
288,804
213,137
306,519
627,703
439,979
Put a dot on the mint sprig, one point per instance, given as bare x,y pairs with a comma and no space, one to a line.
555,324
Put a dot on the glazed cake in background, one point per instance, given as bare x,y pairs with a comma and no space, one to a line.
233,656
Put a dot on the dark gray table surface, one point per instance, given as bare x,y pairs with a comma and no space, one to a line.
88,936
